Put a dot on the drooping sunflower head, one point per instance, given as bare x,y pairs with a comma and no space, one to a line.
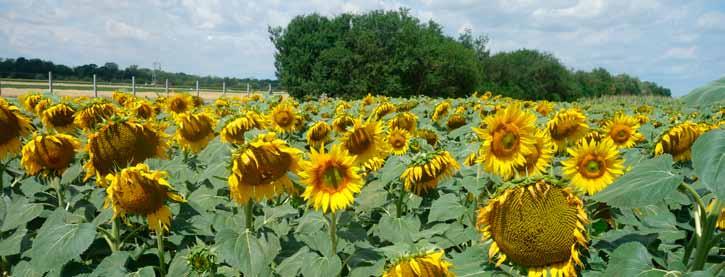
259,169
234,131
283,118
426,264
407,105
59,117
441,110
593,166
122,142
398,140
142,109
122,98
366,141
14,125
455,121
179,103
137,190
536,225
42,105
49,154
383,109
194,131
368,100
678,140
430,136
341,122
540,159
407,121
197,101
642,119
331,179
427,170
318,134
507,139
622,131
544,107
342,107
567,127
93,113
29,101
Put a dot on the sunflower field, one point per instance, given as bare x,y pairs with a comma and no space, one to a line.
262,185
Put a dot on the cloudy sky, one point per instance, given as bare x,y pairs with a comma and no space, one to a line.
678,44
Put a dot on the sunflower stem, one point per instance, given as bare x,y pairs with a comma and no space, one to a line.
248,216
333,233
687,188
115,236
399,204
55,183
160,247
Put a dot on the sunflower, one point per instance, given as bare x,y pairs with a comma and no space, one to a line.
49,153
342,122
428,135
426,264
179,103
567,127
143,109
59,117
318,134
455,121
342,107
441,110
259,169
140,191
29,101
331,178
283,118
538,226
622,131
366,142
197,101
642,119
544,107
42,105
368,100
194,131
398,141
234,131
678,140
14,125
122,98
122,142
382,110
93,113
407,105
593,166
721,220
406,120
540,159
428,170
507,140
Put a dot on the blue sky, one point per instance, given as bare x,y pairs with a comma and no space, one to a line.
678,44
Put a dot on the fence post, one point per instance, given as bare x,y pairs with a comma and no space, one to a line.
1,88
133,85
247,88
167,87
95,89
224,88
50,81
197,88
269,89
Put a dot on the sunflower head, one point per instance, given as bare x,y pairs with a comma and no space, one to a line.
14,125
194,131
93,113
678,140
398,140
318,134
593,166
122,98
49,154
622,131
234,131
29,101
331,179
365,140
137,190
283,118
341,122
536,225
143,109
441,110
368,100
427,170
567,127
179,103
425,264
430,136
544,107
455,121
342,107
507,140
382,110
59,117
259,169
540,158
407,105
407,121
121,142
42,105
197,101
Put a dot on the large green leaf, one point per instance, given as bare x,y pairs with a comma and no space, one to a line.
322,266
19,212
647,183
114,265
404,229
446,207
11,245
58,244
245,252
708,159
629,259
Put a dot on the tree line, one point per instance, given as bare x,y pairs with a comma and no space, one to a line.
392,53
23,68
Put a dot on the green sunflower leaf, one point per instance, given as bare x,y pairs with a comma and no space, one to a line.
647,183
708,159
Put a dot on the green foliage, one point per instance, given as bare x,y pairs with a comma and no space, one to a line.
648,183
708,160
712,93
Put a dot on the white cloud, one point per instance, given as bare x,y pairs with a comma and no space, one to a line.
681,53
712,21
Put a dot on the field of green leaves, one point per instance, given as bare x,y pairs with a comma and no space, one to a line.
272,186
